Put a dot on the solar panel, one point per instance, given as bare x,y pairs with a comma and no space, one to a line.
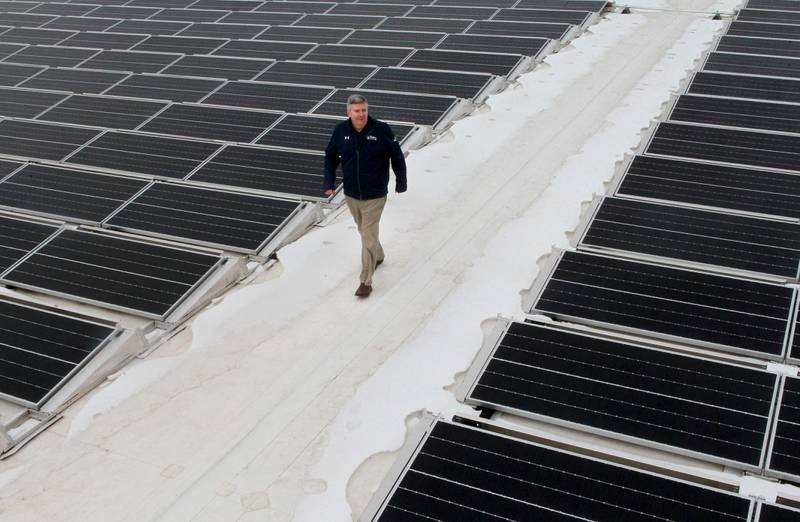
131,276
739,86
423,109
24,103
758,149
12,74
462,473
528,29
487,63
301,131
753,64
163,87
296,7
417,40
462,85
124,12
19,237
696,236
82,23
314,73
711,410
102,111
149,27
189,15
358,54
457,12
133,61
776,513
14,6
794,349
53,56
268,170
41,140
557,16
265,49
36,36
487,3
493,44
341,21
180,44
223,30
213,123
429,25
767,30
715,311
784,457
67,193
104,40
7,167
387,9
61,9
74,80
268,96
211,217
150,3
715,186
747,114
768,15
579,5
261,18
7,49
305,34
24,20
40,350
142,154
227,5
218,67
783,5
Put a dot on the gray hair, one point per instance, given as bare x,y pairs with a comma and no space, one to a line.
355,99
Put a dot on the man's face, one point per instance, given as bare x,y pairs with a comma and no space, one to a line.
358,115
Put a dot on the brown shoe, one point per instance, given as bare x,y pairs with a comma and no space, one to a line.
363,290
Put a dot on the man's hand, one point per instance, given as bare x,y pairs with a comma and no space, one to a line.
329,192
400,190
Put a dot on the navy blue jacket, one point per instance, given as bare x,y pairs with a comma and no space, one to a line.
365,158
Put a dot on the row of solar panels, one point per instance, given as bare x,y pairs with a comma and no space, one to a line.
695,262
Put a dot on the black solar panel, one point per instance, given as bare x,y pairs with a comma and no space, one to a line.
36,36
753,64
766,30
133,61
713,410
67,193
214,123
102,111
7,167
189,15
417,40
227,5
19,237
212,217
124,12
218,67
265,49
493,44
423,109
53,56
358,54
104,40
62,9
24,19
528,29
758,149
296,7
486,3
261,18
314,73
24,103
305,34
149,27
74,80
180,44
696,236
268,96
763,46
784,457
723,312
462,85
147,155
714,186
223,30
268,170
557,16
41,140
487,63
341,21
430,25
82,23
457,12
740,86
12,74
461,473
386,9
775,513
139,278
150,3
7,49
580,5
769,15
737,113
783,5
163,87
41,349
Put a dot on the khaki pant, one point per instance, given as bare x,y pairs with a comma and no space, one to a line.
367,215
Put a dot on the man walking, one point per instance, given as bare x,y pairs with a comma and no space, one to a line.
364,146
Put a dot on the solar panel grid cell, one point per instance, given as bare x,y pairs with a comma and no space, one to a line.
486,63
218,67
189,15
52,56
180,44
460,13
19,237
37,36
82,23
133,61
392,106
296,7
304,34
104,40
268,96
769,15
418,40
740,86
102,111
213,123
24,103
24,19
148,27
775,513
527,29
358,54
763,46
41,140
262,18
762,29
462,85
387,9
753,64
164,87
267,50
493,44
223,30
11,75
63,9
784,458
747,114
340,21
782,5
430,25
74,80
715,410
542,15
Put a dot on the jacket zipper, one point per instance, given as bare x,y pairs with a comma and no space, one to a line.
358,168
